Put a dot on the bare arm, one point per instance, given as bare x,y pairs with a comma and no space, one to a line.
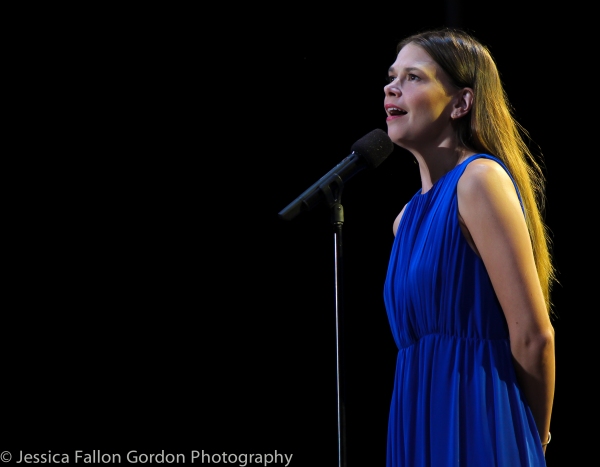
490,209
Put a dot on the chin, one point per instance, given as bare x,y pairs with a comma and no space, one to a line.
396,136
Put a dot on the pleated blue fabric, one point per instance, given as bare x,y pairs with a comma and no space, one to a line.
456,401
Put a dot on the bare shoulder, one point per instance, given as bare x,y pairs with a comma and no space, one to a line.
488,204
485,185
397,220
482,175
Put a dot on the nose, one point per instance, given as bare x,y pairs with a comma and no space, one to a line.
392,89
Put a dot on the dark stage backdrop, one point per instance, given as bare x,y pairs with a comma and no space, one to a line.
162,305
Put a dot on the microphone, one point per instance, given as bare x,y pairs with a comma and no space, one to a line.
367,153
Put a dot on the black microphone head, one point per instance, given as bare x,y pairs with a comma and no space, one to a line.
374,147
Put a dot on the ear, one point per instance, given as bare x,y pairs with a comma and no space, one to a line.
463,103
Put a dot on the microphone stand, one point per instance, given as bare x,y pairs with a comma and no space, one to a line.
369,151
332,189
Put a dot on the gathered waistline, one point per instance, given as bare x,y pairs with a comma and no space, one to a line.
454,336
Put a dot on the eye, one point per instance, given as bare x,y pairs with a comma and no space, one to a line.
390,79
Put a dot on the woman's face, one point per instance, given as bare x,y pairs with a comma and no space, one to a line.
418,101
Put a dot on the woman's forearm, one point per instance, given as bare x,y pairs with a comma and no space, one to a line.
535,368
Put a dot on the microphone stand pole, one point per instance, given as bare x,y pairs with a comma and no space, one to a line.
375,146
333,197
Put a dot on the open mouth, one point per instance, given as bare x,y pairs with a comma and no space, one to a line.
394,111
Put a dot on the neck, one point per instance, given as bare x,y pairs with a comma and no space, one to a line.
435,164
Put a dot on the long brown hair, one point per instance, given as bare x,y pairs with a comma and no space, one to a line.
492,129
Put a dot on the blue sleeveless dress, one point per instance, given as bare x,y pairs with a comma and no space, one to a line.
456,400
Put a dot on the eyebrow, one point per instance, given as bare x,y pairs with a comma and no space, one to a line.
408,69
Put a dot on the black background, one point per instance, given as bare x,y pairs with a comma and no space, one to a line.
157,301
